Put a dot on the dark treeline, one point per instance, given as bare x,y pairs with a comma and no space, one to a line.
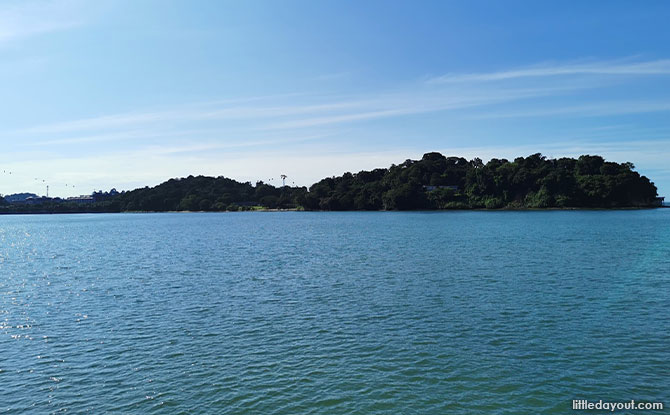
209,194
439,182
434,182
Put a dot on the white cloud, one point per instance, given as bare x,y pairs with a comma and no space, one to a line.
217,137
189,114
274,114
655,67
587,110
23,19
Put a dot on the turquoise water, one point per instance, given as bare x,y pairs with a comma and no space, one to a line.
333,313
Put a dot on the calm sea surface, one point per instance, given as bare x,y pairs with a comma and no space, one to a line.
333,313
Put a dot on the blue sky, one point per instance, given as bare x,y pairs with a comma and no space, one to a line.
126,94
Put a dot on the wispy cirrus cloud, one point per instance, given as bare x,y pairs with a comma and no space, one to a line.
653,67
302,111
597,109
202,137
423,102
19,20
294,111
230,111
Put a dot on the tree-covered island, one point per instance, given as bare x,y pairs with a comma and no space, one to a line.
434,182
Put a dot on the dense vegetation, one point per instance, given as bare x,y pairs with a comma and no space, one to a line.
434,182
439,182
209,194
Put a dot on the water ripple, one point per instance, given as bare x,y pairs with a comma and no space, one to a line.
333,313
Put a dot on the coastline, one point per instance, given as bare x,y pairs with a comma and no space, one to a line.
268,210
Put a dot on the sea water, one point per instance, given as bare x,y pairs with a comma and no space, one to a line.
333,313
